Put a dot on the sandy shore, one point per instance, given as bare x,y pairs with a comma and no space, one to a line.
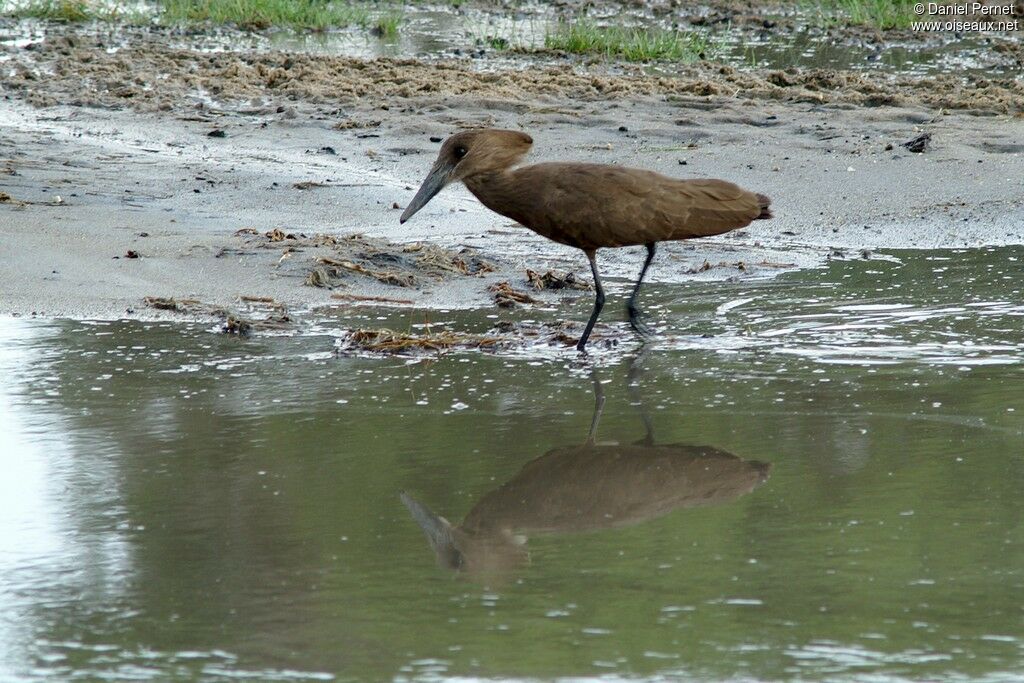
104,153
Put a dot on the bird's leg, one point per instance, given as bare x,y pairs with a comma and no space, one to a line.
634,312
598,407
637,399
598,301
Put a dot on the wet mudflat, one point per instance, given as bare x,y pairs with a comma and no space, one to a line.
825,486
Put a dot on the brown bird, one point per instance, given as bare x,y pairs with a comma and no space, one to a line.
588,206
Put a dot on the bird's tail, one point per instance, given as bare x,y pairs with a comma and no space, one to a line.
766,211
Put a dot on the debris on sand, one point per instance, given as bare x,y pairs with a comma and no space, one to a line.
270,315
707,265
277,235
170,304
8,199
334,258
307,185
319,277
349,124
388,277
919,144
370,299
235,324
507,297
433,257
553,280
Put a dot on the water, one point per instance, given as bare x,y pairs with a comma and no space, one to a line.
827,488
433,32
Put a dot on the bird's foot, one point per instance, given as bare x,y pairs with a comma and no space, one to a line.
638,325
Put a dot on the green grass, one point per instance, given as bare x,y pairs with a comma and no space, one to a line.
308,15
632,44
314,15
882,14
497,43
54,10
70,11
386,26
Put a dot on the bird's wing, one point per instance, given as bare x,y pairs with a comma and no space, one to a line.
594,205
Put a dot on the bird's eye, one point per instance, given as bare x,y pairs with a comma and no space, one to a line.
460,152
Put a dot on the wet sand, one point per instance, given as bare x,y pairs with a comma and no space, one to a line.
331,145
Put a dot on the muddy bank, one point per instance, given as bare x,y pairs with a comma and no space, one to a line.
182,156
81,71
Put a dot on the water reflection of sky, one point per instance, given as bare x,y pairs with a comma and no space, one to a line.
58,510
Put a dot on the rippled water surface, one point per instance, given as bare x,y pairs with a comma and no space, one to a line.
816,477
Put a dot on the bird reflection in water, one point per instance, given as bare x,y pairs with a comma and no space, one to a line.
585,487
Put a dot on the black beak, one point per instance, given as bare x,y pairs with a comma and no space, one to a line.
436,180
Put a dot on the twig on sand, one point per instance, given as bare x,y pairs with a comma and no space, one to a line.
376,299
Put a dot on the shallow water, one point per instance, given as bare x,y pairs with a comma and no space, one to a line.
432,32
828,487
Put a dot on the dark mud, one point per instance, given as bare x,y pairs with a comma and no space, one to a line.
153,76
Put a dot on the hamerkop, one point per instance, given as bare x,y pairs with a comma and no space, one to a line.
588,206
584,487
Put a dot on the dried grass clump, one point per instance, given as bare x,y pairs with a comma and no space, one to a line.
433,258
388,277
553,280
503,336
389,341
507,297
273,315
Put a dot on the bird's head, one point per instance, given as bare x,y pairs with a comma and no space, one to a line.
471,152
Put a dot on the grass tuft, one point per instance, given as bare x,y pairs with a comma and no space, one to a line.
882,14
314,15
387,25
632,44
54,10
70,11
497,42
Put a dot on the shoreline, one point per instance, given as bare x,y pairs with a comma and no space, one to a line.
281,159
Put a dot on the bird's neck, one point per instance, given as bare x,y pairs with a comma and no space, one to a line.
495,190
